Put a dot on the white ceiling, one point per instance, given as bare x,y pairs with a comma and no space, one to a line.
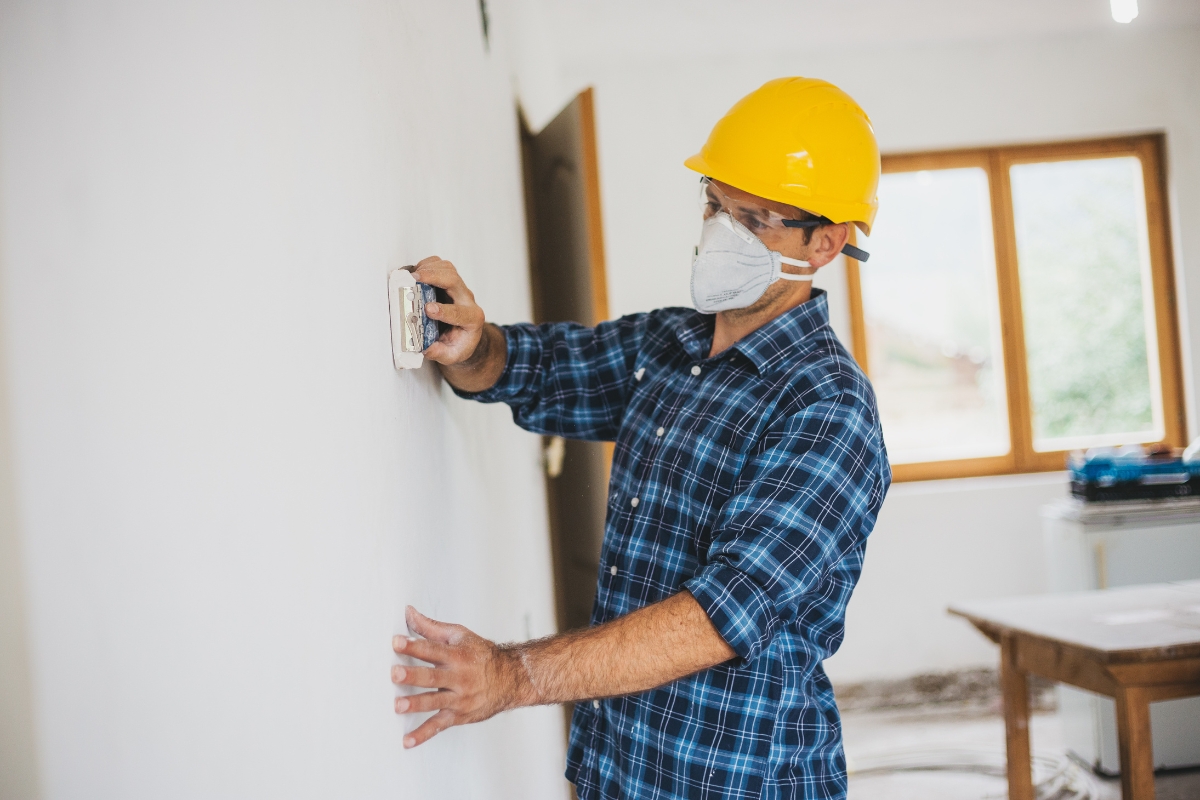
621,29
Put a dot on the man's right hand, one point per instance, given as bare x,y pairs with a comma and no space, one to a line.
472,353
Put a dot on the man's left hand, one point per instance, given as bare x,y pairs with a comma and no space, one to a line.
475,679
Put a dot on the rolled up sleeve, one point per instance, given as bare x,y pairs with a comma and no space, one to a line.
806,498
566,379
521,366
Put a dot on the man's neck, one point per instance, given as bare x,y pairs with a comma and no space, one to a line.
733,326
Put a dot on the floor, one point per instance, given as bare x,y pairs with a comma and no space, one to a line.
956,752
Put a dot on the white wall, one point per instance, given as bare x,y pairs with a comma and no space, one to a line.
18,756
937,542
224,495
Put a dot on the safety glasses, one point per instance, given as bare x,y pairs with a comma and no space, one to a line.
759,220
756,218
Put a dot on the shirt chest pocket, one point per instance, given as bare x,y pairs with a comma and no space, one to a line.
701,454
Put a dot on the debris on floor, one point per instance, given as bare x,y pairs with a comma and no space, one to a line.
968,688
900,748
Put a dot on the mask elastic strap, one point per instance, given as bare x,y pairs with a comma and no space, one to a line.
787,276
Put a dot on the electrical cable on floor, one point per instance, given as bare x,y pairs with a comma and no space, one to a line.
1056,778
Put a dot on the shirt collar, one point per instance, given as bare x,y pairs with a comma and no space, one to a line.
767,347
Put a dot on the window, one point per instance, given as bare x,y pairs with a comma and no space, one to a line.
1019,304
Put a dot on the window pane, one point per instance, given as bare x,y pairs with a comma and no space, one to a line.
933,320
1084,259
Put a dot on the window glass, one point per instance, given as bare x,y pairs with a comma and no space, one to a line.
1084,264
932,317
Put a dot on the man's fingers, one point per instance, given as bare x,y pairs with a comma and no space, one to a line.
430,728
424,677
431,628
437,351
426,701
462,316
443,275
433,652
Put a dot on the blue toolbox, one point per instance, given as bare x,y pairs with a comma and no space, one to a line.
1131,473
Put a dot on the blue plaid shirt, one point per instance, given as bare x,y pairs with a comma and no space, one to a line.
750,479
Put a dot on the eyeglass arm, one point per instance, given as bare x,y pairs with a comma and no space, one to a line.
855,253
849,250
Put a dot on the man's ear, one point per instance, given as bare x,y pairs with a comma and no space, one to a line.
827,241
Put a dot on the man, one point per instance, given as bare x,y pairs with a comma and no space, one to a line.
748,471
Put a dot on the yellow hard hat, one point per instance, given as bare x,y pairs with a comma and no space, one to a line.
799,141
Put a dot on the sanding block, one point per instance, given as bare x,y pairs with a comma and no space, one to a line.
412,330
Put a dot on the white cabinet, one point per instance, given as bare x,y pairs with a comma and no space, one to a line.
1105,545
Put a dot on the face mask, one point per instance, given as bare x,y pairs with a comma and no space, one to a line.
733,268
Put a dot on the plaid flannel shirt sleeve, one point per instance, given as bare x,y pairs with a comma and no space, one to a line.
566,379
804,500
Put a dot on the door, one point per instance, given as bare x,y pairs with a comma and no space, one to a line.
566,253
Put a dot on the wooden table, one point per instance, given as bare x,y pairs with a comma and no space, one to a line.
1137,645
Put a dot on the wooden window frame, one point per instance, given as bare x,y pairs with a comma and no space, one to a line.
996,162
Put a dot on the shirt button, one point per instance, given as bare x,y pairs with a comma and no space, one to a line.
660,431
696,371
634,502
596,704
612,570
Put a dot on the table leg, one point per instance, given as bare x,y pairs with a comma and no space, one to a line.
1137,754
1014,686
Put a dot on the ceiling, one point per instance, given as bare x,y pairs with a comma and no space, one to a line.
650,29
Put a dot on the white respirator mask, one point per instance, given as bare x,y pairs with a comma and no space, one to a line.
733,268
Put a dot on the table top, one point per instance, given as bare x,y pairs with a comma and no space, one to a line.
1125,513
1129,624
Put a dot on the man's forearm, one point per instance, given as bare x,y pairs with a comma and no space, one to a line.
484,367
634,653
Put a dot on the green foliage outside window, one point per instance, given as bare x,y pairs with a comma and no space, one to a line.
1083,263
